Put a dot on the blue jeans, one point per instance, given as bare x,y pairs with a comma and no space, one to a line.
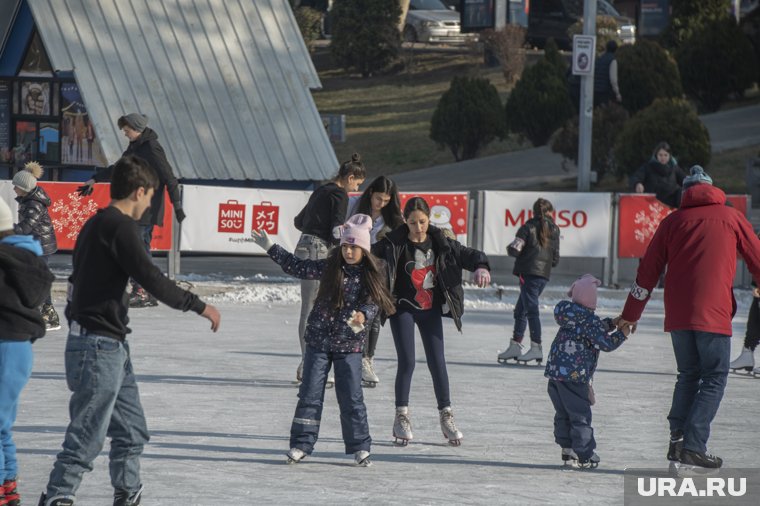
309,247
311,397
431,333
104,403
15,368
526,309
702,359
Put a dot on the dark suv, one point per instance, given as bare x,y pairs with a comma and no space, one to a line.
552,18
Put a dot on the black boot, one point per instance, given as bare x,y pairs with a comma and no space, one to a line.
692,458
56,502
676,445
126,498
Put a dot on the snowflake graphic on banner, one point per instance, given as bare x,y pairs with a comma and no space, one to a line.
69,215
647,221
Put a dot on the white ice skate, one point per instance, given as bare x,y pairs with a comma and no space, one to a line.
569,458
330,381
534,353
744,362
295,455
402,426
299,372
512,352
756,372
369,378
590,463
362,458
449,428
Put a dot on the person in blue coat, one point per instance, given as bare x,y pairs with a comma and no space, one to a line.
570,369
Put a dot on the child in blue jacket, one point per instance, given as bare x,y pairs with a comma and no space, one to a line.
351,291
570,369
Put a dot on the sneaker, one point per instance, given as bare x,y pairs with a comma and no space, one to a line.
140,298
295,455
55,501
676,445
590,463
362,458
126,498
50,317
692,458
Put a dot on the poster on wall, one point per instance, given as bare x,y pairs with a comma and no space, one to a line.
35,98
79,144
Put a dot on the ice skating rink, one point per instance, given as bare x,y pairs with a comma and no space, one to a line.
219,408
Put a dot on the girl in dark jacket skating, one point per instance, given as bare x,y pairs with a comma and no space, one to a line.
34,220
537,250
425,277
351,292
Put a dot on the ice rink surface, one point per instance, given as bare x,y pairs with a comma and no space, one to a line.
219,408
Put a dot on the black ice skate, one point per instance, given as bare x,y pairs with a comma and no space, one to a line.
55,501
699,459
675,446
140,298
295,455
127,498
534,353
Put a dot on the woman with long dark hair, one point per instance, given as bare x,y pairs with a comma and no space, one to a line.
661,175
380,200
537,249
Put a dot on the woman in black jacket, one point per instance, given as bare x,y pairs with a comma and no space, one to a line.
661,175
537,250
425,277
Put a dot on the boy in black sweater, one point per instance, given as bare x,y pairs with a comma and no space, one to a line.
105,401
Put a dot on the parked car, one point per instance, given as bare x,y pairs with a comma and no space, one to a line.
552,18
431,21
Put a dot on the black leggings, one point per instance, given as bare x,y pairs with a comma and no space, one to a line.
752,337
372,337
431,332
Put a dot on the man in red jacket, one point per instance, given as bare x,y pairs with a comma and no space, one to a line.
698,243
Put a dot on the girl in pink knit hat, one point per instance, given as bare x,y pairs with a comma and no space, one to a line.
351,292
570,369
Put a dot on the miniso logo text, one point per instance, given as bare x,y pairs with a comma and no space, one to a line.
670,487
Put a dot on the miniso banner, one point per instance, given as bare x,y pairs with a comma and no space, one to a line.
220,219
583,220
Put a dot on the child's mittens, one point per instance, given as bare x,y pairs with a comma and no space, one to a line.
261,238
356,321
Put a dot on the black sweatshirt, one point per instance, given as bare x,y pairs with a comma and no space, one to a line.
325,210
108,251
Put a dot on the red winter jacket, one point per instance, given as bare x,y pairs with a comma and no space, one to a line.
699,243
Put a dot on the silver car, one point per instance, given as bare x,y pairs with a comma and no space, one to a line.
431,21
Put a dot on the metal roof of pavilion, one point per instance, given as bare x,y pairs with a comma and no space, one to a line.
225,83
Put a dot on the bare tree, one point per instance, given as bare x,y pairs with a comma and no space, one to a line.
404,9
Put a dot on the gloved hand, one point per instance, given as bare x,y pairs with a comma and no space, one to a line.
482,277
261,238
84,190
180,214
